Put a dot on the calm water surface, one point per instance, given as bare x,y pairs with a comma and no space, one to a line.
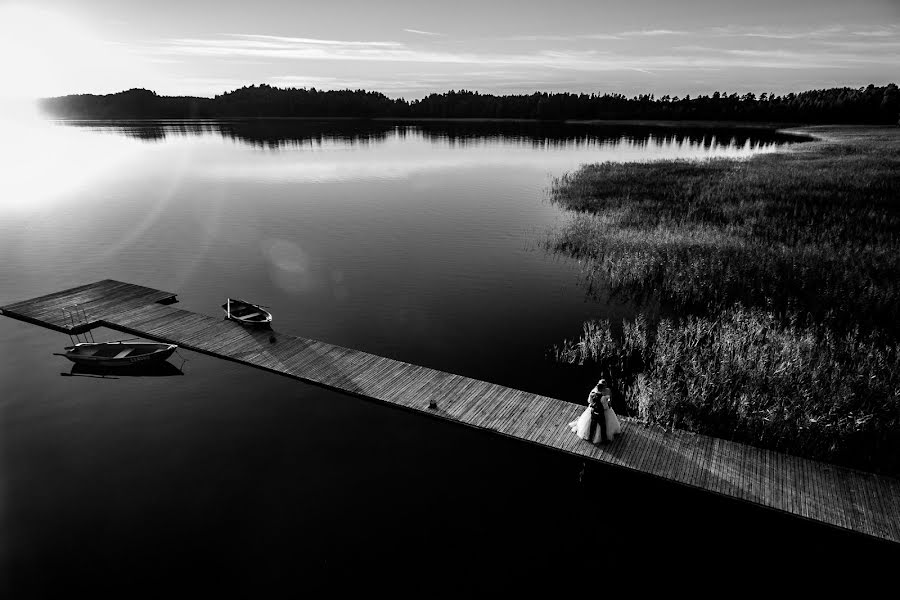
416,241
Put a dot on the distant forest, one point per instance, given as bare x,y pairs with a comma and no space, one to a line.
870,104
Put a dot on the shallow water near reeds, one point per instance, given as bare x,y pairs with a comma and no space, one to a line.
417,241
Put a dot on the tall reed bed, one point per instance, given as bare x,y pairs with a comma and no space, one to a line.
814,231
746,375
784,273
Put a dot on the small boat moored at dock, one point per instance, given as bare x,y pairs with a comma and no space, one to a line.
245,312
117,354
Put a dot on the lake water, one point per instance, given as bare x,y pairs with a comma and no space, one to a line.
421,242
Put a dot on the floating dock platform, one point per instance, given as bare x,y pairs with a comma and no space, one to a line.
862,502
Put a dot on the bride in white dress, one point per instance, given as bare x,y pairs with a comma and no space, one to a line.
599,396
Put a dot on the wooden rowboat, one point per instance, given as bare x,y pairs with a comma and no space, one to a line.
117,354
245,312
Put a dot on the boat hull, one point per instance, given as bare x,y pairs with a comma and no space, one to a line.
246,313
156,353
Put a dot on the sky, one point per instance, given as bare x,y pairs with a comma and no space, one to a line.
410,48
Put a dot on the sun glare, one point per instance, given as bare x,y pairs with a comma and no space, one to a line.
46,53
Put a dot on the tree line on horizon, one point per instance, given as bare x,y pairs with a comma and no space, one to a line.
871,104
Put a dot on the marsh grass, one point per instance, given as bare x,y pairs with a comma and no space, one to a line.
747,376
812,230
784,271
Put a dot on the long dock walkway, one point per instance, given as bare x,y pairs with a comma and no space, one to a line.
845,498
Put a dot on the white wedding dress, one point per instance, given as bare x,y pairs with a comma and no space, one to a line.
581,427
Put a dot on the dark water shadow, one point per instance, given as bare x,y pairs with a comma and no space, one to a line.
160,369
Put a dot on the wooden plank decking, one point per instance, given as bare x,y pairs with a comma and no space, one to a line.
845,498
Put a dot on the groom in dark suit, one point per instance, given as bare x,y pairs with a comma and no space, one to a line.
598,418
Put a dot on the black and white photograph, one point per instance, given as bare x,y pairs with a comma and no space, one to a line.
318,298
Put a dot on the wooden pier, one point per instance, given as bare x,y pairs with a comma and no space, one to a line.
846,498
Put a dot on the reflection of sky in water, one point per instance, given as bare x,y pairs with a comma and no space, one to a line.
303,200
43,161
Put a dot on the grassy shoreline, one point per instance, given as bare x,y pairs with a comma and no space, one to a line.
780,275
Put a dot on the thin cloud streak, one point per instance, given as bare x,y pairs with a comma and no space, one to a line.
622,35
774,33
588,60
296,40
812,57
653,33
875,33
599,36
559,38
421,32
873,46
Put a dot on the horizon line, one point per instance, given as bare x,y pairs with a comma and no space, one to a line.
450,90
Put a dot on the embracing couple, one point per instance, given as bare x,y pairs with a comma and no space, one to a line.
598,423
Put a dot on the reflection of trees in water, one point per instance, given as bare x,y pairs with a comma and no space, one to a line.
300,133
268,133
